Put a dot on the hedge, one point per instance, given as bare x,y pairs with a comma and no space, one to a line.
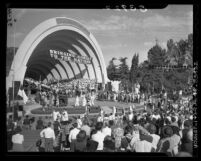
76,110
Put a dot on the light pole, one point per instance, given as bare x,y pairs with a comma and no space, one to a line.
13,82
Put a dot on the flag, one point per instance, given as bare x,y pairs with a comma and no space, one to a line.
23,95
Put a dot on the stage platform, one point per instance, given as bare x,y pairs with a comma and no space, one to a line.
106,106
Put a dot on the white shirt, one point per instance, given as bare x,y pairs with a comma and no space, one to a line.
114,110
73,134
77,101
142,146
87,129
107,131
135,138
47,133
99,119
155,141
111,117
18,139
65,116
84,101
130,116
55,114
157,116
98,137
79,123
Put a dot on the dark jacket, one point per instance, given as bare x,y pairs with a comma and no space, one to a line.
78,146
187,147
148,138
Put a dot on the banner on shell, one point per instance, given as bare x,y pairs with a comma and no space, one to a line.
115,86
66,56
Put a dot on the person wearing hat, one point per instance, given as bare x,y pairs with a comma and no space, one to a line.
108,144
17,140
80,144
152,130
166,144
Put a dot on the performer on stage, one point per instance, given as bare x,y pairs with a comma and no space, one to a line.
93,96
77,95
84,101
89,98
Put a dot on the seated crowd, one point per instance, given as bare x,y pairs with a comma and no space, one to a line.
161,131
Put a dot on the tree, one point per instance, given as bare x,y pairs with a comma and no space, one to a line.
112,70
172,54
180,53
156,56
189,52
123,73
123,69
134,69
182,46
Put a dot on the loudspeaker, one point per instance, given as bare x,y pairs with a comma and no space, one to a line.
16,89
20,108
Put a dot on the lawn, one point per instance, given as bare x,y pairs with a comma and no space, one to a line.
76,110
81,110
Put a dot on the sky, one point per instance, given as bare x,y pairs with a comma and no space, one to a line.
119,33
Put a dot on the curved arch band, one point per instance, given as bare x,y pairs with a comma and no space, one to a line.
58,33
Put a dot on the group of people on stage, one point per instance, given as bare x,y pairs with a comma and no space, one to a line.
85,97
127,97
82,97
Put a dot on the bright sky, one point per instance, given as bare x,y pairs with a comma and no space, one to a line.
119,33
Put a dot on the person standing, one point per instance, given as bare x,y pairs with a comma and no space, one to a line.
84,101
49,135
17,140
107,130
73,132
98,136
80,144
77,99
93,96
118,133
86,128
26,123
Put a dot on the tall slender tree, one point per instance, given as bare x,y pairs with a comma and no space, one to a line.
156,56
134,69
112,70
